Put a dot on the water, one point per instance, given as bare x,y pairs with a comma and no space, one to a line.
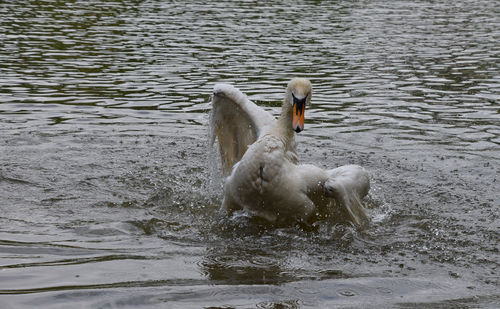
108,196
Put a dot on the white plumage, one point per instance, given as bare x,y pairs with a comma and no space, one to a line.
259,159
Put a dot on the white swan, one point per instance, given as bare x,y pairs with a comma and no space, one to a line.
258,156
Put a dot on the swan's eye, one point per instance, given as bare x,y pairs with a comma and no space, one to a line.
299,101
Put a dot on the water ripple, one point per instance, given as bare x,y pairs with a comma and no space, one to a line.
363,64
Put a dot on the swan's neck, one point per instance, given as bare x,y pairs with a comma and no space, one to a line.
283,127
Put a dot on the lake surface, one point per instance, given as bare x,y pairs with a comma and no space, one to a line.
109,193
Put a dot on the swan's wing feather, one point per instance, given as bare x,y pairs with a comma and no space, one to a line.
348,185
236,122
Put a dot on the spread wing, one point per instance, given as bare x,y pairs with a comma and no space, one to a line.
348,185
236,122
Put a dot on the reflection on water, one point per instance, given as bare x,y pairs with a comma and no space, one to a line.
108,192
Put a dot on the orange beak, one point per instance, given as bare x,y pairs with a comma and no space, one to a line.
298,117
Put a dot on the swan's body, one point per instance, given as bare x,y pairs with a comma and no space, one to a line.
258,155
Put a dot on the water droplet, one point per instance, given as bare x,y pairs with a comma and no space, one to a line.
347,293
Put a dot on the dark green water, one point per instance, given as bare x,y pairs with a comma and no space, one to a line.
109,195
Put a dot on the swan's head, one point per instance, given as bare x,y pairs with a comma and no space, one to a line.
299,93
